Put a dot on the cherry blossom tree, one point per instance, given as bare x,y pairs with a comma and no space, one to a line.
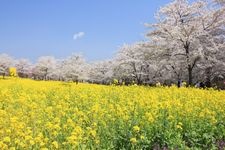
136,62
5,63
185,30
101,72
45,67
23,67
74,68
220,2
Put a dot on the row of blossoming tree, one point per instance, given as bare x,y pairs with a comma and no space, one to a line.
187,43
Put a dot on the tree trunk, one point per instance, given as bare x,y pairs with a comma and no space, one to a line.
190,67
139,81
208,77
190,78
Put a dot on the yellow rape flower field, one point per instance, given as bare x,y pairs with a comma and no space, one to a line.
59,115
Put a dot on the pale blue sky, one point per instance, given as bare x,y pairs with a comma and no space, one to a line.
33,28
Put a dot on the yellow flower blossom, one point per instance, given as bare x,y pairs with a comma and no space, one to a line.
55,144
133,140
7,139
142,137
61,115
136,129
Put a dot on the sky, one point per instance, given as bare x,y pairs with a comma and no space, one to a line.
93,28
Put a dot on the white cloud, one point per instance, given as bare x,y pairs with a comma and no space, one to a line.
78,35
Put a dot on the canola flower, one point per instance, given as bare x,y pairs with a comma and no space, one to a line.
133,140
136,129
59,115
